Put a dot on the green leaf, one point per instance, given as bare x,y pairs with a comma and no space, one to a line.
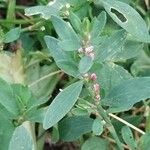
53,8
22,94
12,35
110,48
130,49
95,143
128,18
75,22
123,96
18,99
35,72
83,10
55,135
72,128
97,41
65,31
6,129
97,127
7,98
35,114
35,102
86,26
25,98
85,64
21,139
98,25
62,104
5,113
44,11
109,75
141,67
144,143
128,137
63,59
68,45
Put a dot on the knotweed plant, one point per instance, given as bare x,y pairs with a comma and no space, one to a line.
76,74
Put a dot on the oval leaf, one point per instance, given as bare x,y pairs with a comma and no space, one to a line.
21,140
85,64
97,127
95,143
128,137
61,105
62,58
68,45
109,75
75,22
127,18
70,129
98,25
125,95
7,98
65,31
12,35
144,143
6,128
44,11
111,47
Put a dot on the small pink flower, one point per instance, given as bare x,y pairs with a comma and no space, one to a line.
97,97
92,55
86,75
93,77
89,49
96,88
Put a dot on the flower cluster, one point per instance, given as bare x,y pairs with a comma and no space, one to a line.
88,51
95,87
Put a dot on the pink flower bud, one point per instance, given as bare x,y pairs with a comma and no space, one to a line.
96,88
97,97
92,55
93,76
89,49
86,75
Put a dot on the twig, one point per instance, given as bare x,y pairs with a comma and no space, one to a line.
126,123
147,4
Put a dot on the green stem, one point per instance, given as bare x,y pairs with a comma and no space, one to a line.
33,27
110,126
11,11
41,137
17,7
19,21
